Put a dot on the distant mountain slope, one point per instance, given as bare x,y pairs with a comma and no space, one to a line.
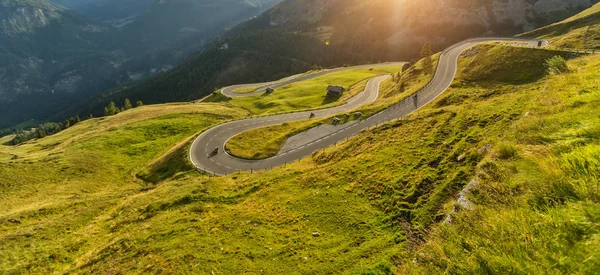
168,22
52,56
298,34
48,53
115,11
578,32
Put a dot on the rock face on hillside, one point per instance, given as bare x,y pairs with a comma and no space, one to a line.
17,18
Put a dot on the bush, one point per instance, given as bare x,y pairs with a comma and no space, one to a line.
41,131
556,65
506,151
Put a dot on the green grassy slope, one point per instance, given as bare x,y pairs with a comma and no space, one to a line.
311,93
246,145
488,64
266,142
536,206
581,31
53,190
72,202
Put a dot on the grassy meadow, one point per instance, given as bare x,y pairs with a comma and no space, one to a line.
246,90
537,202
309,94
266,142
54,190
116,194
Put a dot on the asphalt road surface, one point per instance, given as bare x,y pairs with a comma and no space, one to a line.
229,91
216,137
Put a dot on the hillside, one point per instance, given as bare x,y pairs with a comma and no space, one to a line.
378,200
497,175
533,191
296,36
578,32
48,54
53,57
184,26
110,11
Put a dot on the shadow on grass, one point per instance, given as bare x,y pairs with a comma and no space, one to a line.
216,97
169,165
330,99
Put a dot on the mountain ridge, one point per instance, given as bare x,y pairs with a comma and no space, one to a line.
54,57
522,141
328,33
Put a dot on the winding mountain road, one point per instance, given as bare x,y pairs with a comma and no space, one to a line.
229,91
216,137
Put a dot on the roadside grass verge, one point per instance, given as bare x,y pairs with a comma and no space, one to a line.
216,97
175,162
488,63
266,142
246,90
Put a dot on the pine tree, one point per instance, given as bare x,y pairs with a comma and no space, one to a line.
139,103
66,124
111,109
426,56
127,104
77,119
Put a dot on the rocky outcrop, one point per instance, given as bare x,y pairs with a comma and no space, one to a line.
17,19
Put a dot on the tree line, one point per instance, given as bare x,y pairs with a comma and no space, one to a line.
113,109
51,128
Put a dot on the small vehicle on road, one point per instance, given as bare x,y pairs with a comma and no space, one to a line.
311,115
215,152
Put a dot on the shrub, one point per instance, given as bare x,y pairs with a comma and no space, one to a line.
127,104
556,65
506,151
